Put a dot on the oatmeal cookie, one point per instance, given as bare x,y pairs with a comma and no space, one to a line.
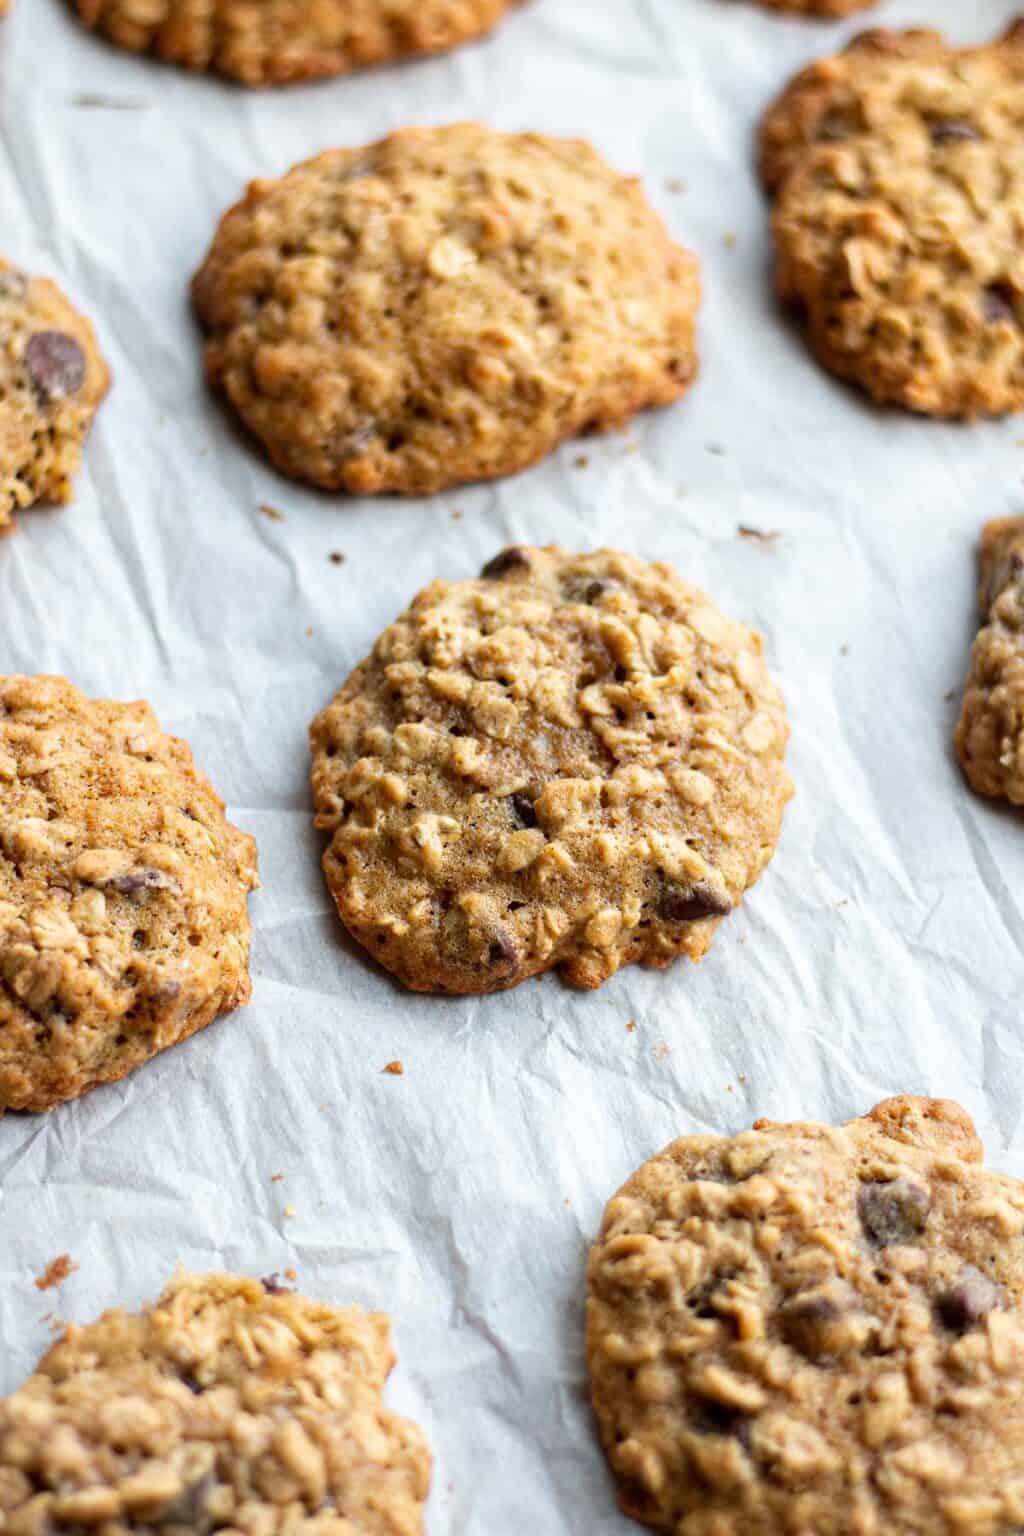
226,1406
574,761
446,305
990,733
52,378
277,41
808,1329
123,925
897,170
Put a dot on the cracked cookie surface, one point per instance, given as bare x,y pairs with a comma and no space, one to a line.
807,1328
574,761
277,41
897,170
123,923
225,1406
444,306
52,379
990,732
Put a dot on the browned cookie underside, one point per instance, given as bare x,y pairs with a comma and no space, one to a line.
273,42
444,306
897,170
804,1328
574,761
228,1405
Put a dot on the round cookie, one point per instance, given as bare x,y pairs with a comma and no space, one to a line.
275,42
573,761
990,732
123,924
52,378
809,1329
227,1405
897,170
444,306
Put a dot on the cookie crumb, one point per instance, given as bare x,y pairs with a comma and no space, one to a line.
581,461
308,631
395,1069
662,1051
631,1027
56,1272
274,513
674,184
275,1178
758,535
290,1274
289,1212
456,516
336,557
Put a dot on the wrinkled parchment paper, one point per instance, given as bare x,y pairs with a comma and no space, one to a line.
883,950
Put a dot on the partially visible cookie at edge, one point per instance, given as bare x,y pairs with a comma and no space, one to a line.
123,922
52,379
227,1405
897,172
990,732
815,1328
574,761
828,9
444,306
277,42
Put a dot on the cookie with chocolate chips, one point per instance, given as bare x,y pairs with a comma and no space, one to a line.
52,379
224,1406
574,761
444,306
123,925
815,1329
276,42
897,173
990,732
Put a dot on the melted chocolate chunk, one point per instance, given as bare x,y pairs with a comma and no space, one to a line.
808,1323
522,810
999,303
503,952
139,880
953,130
511,559
56,364
273,1287
893,1213
687,904
968,1301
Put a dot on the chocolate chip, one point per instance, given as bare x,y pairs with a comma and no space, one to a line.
56,363
808,1323
522,810
511,559
689,903
968,1301
273,1287
595,590
950,130
140,880
167,992
998,303
189,1508
503,952
834,127
895,1212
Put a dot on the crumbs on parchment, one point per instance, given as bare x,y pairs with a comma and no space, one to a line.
56,1272
395,1069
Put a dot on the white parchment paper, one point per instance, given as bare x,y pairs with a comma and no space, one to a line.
882,952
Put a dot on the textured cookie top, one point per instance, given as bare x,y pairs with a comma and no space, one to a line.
818,1330
898,173
221,1407
123,922
443,306
990,732
52,378
276,41
574,761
